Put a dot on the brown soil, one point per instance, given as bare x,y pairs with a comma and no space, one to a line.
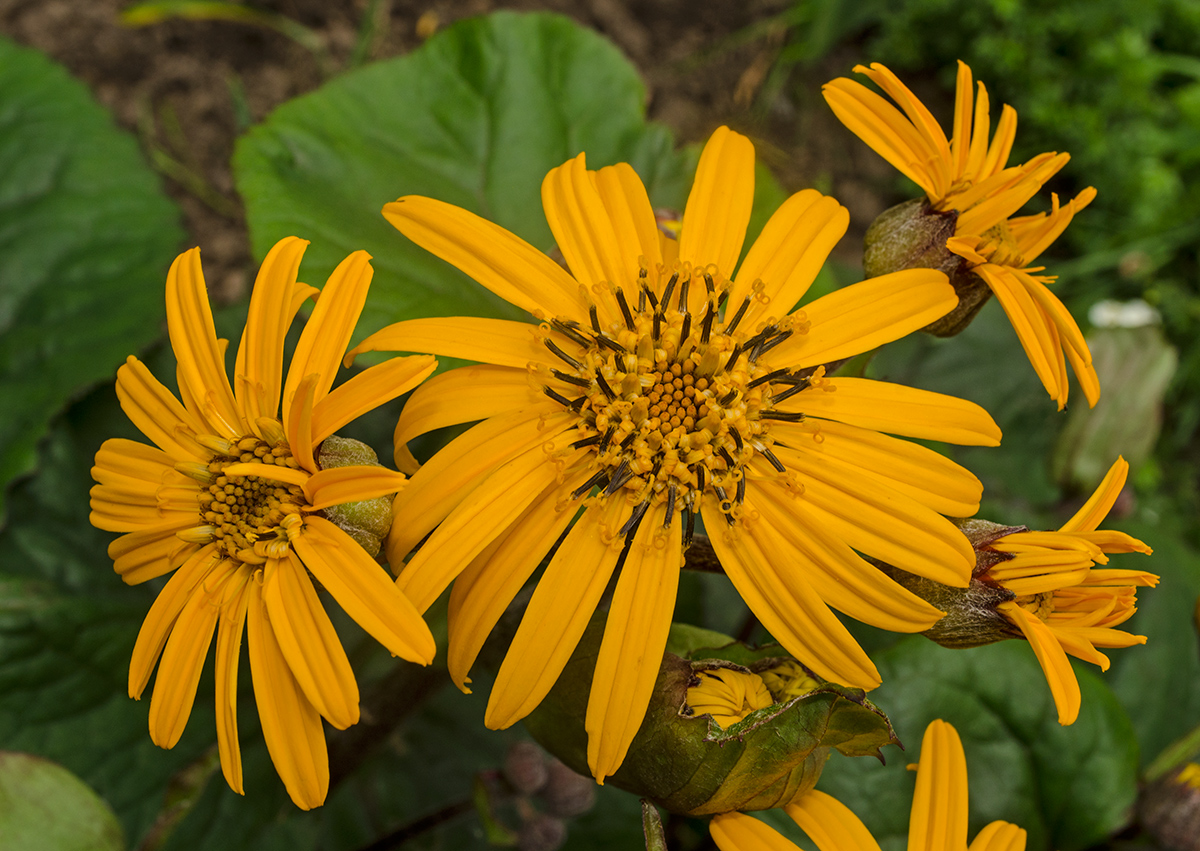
178,84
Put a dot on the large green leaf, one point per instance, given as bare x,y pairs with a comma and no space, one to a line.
44,807
1069,787
476,117
85,238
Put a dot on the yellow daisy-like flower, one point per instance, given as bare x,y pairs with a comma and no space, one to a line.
230,498
728,695
659,387
970,178
1064,605
938,821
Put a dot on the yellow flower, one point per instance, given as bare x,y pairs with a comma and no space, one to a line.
728,695
1063,604
938,821
971,179
230,498
656,388
788,680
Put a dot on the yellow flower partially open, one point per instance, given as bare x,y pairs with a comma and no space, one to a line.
230,498
970,178
657,386
728,695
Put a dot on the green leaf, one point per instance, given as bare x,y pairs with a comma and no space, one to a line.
1070,787
44,807
475,117
85,238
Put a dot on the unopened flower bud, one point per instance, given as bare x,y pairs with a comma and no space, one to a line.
368,521
913,235
567,793
525,767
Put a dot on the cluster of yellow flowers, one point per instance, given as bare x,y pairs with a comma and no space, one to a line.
660,383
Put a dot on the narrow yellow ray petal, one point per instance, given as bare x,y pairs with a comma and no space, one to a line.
1034,234
1085,372
134,460
498,341
917,471
864,316
482,592
1059,315
486,512
740,832
326,335
368,390
785,603
582,228
829,823
938,820
229,649
364,590
194,339
922,119
995,209
459,396
308,642
351,484
1059,675
635,638
999,836
147,554
183,658
896,409
1111,541
450,475
1002,142
788,254
961,143
501,261
117,511
558,613
718,207
979,136
157,414
164,612
274,472
290,724
1031,324
630,212
260,354
839,575
297,424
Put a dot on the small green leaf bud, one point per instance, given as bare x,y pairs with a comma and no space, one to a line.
368,521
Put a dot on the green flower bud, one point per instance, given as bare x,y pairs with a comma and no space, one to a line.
368,521
913,235
684,761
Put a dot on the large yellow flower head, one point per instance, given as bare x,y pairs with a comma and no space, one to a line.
231,499
938,821
1064,605
659,387
971,179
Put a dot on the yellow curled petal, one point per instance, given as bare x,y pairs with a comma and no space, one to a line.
830,824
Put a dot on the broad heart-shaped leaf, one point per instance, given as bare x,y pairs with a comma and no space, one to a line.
44,807
476,117
1069,787
86,235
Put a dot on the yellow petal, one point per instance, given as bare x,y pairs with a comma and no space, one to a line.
501,261
864,316
309,643
830,824
450,475
194,339
938,821
482,592
895,409
788,254
364,590
367,391
260,354
960,142
1002,142
629,210
157,414
718,206
163,614
635,638
1001,204
999,836
558,613
785,603
1115,542
229,649
290,724
461,395
351,484
1092,513
740,832
916,471
274,472
1034,234
147,554
297,424
497,341
979,136
1055,665
133,460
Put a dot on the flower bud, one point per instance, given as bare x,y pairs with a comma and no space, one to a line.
685,761
913,235
368,521
525,767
